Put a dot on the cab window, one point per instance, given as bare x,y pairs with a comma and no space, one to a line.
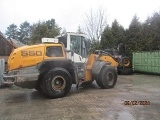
75,44
54,51
79,45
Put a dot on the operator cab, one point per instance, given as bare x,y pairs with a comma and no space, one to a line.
53,50
76,42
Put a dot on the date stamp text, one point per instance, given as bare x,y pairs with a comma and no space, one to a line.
136,102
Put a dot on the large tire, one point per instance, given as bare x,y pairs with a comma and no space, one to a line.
107,77
56,84
125,71
38,88
127,62
40,78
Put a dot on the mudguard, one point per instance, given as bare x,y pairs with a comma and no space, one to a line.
97,66
63,64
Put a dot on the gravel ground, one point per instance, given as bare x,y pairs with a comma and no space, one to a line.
135,97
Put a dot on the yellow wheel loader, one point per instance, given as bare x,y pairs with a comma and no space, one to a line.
124,62
51,69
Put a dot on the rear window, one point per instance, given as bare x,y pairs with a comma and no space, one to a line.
54,51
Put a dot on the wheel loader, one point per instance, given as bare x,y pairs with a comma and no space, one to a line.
51,68
124,61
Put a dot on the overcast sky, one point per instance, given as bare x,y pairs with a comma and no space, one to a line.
69,14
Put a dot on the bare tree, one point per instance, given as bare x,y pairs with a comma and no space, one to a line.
94,23
79,30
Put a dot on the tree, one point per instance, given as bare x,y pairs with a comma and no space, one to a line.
95,22
24,32
44,29
107,38
63,31
79,30
94,45
155,25
12,32
134,38
112,36
118,33
39,30
151,32
52,28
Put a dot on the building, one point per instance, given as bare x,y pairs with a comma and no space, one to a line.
5,48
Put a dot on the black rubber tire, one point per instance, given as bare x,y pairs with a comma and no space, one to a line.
46,84
129,62
106,75
38,88
126,71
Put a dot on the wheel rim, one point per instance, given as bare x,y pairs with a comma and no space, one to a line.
110,78
126,62
58,83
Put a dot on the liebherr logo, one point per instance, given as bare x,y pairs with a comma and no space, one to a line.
31,53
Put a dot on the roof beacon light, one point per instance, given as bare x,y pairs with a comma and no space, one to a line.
49,40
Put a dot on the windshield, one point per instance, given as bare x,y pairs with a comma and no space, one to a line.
79,45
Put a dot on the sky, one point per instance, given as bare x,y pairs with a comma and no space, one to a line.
69,14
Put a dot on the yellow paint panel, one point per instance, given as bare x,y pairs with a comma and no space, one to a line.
107,58
26,56
90,61
30,55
